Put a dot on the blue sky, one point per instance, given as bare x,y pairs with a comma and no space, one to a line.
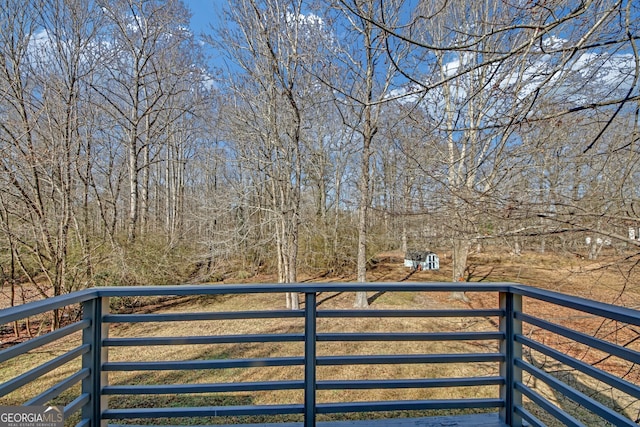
204,13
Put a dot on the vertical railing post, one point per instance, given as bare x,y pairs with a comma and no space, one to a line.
93,310
310,360
510,326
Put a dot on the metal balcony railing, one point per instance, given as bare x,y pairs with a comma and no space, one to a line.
546,358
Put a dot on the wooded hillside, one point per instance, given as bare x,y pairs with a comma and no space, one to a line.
309,136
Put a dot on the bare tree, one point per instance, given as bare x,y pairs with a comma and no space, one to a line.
42,100
269,48
330,156
361,77
487,68
467,113
146,74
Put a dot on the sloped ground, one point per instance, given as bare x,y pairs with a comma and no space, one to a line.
609,279
612,278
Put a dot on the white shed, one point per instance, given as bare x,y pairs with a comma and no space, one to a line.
422,260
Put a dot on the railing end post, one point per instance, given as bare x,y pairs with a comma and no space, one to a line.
310,331
93,310
511,303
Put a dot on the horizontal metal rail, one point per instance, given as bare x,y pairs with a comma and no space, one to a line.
190,317
35,373
271,288
202,411
549,407
32,344
607,311
528,417
37,308
59,388
183,365
76,404
401,359
508,321
202,340
409,383
414,405
299,385
204,388
613,349
408,313
400,336
631,389
332,337
578,397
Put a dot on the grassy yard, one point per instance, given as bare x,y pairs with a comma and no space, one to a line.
572,275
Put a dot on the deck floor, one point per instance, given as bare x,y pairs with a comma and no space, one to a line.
480,420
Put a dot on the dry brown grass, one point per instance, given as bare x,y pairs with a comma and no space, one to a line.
274,326
259,350
609,279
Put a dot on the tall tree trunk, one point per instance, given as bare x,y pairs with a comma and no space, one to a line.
145,170
368,131
133,186
361,297
460,245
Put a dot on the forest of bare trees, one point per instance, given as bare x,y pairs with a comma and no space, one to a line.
308,136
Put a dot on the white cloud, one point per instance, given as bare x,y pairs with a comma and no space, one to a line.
587,78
